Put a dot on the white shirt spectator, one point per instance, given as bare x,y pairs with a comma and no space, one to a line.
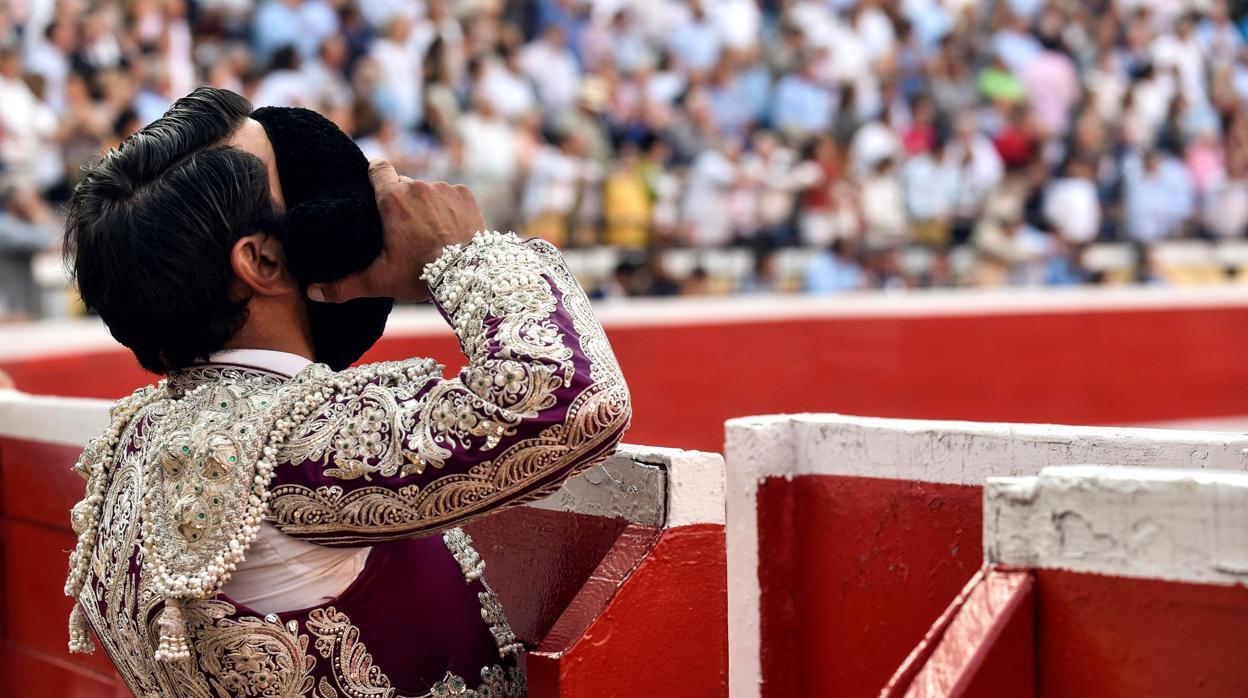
875,32
400,57
738,23
27,132
883,211
707,213
50,63
285,88
695,44
554,178
1072,207
553,69
1186,55
979,170
931,187
510,92
1226,209
1159,197
873,142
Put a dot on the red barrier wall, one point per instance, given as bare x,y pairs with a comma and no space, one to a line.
618,608
38,490
1088,367
983,646
672,617
1083,634
879,561
1115,637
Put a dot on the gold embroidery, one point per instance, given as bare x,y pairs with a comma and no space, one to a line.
329,513
392,419
495,683
250,656
515,285
339,641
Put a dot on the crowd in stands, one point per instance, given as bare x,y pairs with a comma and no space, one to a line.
1014,131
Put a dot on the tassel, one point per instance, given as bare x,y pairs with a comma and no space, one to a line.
172,623
79,632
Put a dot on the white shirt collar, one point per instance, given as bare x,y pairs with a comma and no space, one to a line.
281,362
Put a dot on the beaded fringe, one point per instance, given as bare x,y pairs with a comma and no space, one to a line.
172,623
80,641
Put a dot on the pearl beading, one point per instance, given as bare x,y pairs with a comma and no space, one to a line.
100,454
316,389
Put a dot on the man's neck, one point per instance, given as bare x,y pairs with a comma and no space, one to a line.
274,328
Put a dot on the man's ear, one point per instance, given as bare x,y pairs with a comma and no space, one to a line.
259,262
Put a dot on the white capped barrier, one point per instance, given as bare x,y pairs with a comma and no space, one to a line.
1178,525
968,453
663,487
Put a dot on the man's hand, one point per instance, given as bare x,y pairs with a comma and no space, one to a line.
418,219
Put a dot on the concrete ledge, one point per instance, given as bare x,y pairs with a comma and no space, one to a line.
68,421
661,487
959,452
1178,525
924,451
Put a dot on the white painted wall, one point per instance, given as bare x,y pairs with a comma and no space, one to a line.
68,421
1181,525
932,451
664,487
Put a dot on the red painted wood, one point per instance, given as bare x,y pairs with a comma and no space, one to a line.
102,374
28,468
987,649
918,657
873,563
630,549
1114,637
777,566
36,610
664,633
1065,367
35,675
538,560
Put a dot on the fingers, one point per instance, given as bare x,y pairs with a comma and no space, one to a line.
382,175
352,286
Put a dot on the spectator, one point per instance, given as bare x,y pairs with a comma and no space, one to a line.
802,106
883,209
28,130
285,85
827,211
1071,204
549,63
1159,196
626,203
836,270
930,185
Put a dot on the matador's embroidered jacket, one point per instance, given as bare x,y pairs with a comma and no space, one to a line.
378,455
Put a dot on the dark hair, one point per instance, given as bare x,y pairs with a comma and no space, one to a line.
151,226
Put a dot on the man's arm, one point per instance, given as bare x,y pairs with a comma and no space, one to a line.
405,452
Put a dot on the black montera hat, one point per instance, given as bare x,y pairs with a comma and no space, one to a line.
331,227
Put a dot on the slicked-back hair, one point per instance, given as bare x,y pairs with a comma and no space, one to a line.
151,226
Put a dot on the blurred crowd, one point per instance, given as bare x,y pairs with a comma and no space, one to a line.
1013,132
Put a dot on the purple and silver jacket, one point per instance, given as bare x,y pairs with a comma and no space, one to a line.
382,455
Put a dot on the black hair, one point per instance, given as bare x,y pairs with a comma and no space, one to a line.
151,226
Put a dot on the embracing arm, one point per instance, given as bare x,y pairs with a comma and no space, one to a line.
406,452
